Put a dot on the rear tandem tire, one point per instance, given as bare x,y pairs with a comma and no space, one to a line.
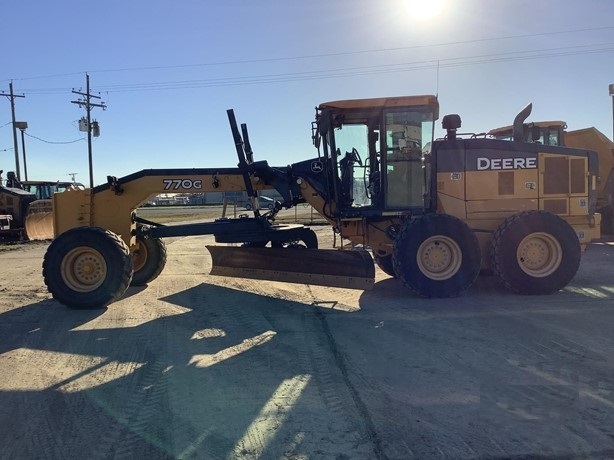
607,219
436,255
148,260
87,267
535,252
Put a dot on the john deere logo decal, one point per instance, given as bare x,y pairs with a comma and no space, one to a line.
317,166
506,163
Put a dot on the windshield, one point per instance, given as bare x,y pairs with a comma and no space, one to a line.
380,158
353,146
409,134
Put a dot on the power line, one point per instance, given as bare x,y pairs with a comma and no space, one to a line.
349,53
361,70
55,142
351,71
323,55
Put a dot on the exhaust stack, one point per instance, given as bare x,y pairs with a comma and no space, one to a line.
518,129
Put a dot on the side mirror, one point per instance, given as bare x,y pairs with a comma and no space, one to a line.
324,122
315,135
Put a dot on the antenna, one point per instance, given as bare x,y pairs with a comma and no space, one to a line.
72,175
437,84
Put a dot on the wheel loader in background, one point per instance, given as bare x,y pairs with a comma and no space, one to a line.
433,213
25,207
22,210
14,206
44,189
555,133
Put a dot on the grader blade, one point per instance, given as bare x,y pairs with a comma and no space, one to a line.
39,220
323,267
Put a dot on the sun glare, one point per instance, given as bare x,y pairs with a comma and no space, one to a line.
424,9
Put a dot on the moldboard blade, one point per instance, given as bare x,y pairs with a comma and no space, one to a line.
323,267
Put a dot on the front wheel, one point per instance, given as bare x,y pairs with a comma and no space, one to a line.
535,252
385,264
87,267
148,260
306,238
436,255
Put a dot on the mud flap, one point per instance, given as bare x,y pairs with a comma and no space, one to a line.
323,267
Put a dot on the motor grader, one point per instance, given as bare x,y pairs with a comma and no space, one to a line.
433,213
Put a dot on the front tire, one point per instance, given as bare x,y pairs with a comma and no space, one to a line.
535,252
385,264
436,255
306,238
87,267
148,260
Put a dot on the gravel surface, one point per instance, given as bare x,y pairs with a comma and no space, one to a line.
198,366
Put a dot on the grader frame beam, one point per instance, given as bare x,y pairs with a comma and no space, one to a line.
112,206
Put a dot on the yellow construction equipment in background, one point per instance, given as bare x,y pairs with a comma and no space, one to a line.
555,133
28,203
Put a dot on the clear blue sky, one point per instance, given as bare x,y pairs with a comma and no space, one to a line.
168,70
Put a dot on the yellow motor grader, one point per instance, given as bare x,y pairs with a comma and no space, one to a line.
433,213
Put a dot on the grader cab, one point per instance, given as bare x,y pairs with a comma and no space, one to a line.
432,213
436,212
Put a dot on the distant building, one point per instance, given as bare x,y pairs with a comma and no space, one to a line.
203,199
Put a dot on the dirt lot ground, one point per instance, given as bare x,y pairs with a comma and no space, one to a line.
197,366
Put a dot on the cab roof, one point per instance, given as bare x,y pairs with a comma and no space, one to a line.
540,124
384,102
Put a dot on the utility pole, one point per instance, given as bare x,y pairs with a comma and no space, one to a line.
12,97
89,105
22,126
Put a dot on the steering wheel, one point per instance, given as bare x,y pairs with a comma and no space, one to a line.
355,157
